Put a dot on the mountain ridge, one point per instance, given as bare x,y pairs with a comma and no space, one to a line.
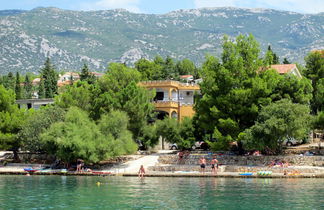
71,38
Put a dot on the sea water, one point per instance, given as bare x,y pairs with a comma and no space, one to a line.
72,192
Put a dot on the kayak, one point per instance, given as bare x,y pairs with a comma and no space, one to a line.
246,174
32,169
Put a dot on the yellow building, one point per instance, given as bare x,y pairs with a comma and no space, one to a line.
173,98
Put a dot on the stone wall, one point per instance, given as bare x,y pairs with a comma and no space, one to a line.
294,160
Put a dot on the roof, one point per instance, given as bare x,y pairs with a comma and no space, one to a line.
283,68
97,74
36,81
185,76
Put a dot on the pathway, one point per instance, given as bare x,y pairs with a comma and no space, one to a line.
134,165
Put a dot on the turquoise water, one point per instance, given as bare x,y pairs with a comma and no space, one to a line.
61,192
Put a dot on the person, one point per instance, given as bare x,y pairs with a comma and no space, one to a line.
141,171
214,165
180,154
79,165
202,162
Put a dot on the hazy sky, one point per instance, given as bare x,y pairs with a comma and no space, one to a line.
164,6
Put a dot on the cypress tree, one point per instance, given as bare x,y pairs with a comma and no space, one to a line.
10,83
18,87
41,89
28,87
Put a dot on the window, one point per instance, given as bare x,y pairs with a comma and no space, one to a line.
159,96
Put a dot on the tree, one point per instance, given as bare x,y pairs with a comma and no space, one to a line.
80,94
37,123
77,136
50,77
186,132
149,70
286,61
234,90
115,124
28,87
319,121
315,72
11,121
41,89
168,71
18,87
168,129
230,89
118,90
86,75
270,57
9,81
149,137
186,67
277,122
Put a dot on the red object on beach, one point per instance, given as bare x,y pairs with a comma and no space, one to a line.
100,172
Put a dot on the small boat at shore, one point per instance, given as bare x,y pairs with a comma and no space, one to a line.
32,170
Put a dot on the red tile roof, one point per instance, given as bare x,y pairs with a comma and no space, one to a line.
185,76
283,68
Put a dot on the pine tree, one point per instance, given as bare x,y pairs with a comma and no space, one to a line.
285,61
10,83
50,78
18,87
85,74
41,89
271,57
28,87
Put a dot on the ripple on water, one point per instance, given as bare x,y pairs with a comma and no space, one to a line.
55,192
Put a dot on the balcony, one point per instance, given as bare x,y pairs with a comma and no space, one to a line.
166,104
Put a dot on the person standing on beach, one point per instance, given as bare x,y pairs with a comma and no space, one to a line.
214,165
141,172
202,162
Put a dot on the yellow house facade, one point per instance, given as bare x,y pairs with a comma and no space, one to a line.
173,98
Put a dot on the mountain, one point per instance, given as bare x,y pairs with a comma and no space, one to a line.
71,38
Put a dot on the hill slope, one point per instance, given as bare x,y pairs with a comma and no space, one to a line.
71,38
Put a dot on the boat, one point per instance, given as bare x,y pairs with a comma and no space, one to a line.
246,174
32,170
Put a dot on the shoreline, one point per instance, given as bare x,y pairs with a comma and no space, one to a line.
167,174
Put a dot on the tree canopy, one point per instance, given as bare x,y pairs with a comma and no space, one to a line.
277,122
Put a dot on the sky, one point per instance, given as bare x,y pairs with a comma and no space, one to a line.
165,6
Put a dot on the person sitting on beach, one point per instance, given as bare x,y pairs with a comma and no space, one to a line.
141,171
202,162
186,153
214,165
180,159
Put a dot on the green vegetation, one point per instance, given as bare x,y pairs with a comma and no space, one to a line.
12,119
315,72
275,123
95,119
80,137
49,77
